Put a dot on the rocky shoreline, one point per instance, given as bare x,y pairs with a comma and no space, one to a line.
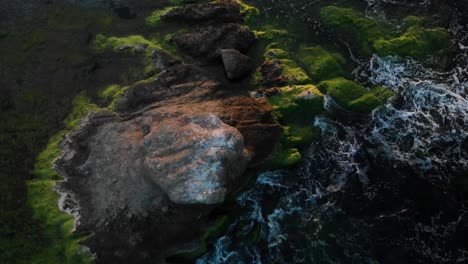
217,131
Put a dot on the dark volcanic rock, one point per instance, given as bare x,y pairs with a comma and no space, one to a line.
217,12
205,42
236,64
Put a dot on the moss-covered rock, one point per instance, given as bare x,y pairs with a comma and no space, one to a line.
249,11
291,72
354,25
58,226
416,42
373,36
284,157
154,19
382,93
321,64
354,97
297,104
295,107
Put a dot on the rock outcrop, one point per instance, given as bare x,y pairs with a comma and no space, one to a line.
205,42
177,146
131,166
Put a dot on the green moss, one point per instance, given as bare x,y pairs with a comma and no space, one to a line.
343,91
364,104
297,104
292,72
295,108
354,97
154,19
249,11
81,106
271,33
63,243
382,93
411,21
112,44
362,30
284,157
297,135
103,43
163,42
111,94
321,64
416,42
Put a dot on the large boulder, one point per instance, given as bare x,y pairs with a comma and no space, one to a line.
131,166
236,64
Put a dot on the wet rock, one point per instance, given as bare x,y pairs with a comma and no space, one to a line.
205,42
236,64
216,12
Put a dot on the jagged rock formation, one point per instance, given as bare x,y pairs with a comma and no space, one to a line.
205,43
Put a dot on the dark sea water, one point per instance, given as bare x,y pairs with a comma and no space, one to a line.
390,188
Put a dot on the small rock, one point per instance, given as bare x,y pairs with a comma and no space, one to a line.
236,64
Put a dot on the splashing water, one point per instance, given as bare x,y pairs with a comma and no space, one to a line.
303,215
